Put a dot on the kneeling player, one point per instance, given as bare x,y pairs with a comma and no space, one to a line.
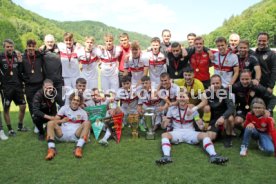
184,131
71,125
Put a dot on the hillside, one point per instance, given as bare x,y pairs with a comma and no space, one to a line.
260,17
20,24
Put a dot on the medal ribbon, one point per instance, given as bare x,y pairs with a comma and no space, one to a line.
31,62
182,119
10,64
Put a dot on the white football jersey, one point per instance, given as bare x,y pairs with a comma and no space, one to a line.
187,121
89,61
109,61
136,67
75,116
69,61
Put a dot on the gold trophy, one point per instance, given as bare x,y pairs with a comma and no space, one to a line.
149,117
133,120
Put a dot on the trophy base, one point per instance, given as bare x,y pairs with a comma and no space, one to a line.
134,135
150,136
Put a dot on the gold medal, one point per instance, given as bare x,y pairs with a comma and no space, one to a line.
197,70
32,70
175,73
247,107
11,73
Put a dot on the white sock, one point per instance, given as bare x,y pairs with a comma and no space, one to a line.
107,134
209,146
166,146
81,142
51,145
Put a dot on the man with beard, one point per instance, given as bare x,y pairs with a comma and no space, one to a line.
44,107
248,60
267,60
52,65
176,63
11,84
222,108
245,91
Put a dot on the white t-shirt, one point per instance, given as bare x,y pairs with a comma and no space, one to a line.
187,121
69,61
75,116
225,69
157,65
109,61
136,67
89,61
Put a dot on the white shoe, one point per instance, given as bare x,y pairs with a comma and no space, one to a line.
103,142
2,135
243,151
36,131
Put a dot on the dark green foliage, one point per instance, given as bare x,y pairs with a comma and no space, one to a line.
20,24
261,17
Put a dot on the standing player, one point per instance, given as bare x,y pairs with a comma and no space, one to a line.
137,64
248,60
190,38
200,62
184,131
109,64
225,63
32,72
125,47
88,57
70,124
267,59
52,67
157,62
11,85
176,62
69,60
234,40
166,42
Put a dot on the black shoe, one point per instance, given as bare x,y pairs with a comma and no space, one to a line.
164,160
228,141
216,159
22,129
12,133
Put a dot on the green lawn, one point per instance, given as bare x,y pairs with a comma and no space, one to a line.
131,161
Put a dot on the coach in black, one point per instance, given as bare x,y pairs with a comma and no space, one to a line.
52,65
267,59
32,72
11,84
44,106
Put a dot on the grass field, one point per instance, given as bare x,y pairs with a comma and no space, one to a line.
131,161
